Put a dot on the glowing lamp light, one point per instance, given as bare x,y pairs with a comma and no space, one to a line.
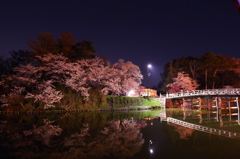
131,93
149,66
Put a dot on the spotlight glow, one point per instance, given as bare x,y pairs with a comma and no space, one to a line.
131,93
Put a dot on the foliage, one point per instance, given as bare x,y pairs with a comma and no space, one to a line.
167,75
47,43
66,44
214,68
210,71
3,66
182,83
56,76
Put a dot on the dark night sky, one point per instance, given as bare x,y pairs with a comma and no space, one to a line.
140,31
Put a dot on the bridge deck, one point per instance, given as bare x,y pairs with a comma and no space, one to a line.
209,92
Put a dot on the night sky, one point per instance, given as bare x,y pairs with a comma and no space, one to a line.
140,31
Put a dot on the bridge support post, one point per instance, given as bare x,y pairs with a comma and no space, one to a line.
237,104
191,103
199,102
220,105
184,103
216,102
229,106
208,103
238,110
209,108
217,108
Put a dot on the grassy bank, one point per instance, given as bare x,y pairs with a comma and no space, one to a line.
115,102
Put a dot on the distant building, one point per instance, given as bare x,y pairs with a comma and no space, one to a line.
147,92
143,93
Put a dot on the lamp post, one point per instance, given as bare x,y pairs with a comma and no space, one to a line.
148,75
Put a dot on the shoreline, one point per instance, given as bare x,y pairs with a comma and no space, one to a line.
82,110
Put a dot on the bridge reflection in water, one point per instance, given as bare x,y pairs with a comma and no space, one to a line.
199,121
204,128
219,106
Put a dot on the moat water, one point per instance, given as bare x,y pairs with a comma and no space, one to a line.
131,135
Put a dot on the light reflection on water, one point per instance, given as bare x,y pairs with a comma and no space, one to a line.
117,135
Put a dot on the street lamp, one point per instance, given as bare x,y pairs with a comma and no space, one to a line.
148,67
148,75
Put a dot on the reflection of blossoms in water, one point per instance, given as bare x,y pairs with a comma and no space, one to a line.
44,133
123,138
142,123
119,139
77,144
77,139
183,131
28,143
3,126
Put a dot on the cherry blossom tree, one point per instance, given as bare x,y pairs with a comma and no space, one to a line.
39,82
13,88
125,76
48,94
182,82
120,77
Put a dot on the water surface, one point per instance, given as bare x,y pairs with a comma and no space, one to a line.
134,134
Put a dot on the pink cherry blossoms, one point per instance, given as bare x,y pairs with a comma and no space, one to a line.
182,82
44,83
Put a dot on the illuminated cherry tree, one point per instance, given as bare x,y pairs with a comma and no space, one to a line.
47,94
182,83
125,76
39,82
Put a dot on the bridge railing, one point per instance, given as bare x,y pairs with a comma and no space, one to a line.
225,91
